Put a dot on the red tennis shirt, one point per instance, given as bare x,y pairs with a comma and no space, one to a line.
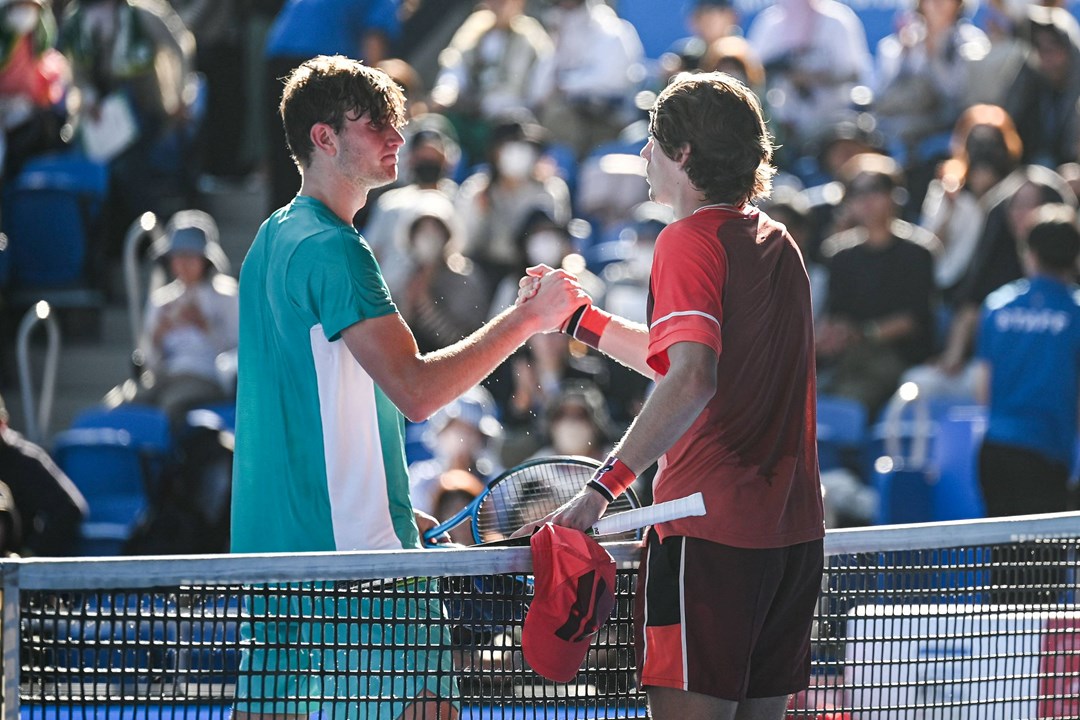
734,280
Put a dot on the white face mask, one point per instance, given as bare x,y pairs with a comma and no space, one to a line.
545,247
572,437
21,19
516,160
428,247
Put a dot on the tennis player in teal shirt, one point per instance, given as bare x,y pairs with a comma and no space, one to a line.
327,370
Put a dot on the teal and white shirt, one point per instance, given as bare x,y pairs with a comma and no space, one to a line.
320,454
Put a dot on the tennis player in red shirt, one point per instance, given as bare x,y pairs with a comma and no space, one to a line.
726,600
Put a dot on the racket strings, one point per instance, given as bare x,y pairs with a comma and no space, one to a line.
532,492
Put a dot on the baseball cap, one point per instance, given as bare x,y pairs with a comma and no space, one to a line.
574,595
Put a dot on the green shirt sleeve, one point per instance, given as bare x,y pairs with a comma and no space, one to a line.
334,276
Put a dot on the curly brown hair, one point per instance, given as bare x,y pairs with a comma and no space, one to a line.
330,88
719,119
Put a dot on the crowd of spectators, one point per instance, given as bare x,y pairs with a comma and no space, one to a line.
910,171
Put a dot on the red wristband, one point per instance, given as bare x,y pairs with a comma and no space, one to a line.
612,479
587,324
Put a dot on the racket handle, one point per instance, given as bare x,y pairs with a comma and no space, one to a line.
661,512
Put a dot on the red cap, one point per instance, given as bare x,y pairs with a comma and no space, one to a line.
574,595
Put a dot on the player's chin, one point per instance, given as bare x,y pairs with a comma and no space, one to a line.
387,176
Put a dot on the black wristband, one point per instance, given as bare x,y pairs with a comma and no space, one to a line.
575,319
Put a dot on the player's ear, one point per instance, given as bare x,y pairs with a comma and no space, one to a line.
683,154
324,138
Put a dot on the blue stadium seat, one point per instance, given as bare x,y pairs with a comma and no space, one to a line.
49,212
110,471
147,424
115,458
841,431
931,474
956,451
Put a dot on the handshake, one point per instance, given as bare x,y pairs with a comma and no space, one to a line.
562,304
553,296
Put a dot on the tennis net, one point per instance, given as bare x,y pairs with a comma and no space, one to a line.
973,619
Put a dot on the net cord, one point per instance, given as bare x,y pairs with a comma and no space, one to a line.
176,570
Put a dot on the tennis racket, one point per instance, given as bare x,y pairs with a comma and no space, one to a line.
525,494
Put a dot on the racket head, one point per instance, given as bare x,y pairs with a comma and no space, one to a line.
528,492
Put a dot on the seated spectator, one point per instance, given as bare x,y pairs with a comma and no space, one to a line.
49,507
996,260
854,135
879,313
733,55
33,81
499,60
1028,360
444,298
543,241
190,323
465,435
599,66
1043,98
456,489
985,148
429,156
712,20
922,74
493,203
577,422
814,53
133,69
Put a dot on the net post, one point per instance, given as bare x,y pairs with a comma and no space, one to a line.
10,661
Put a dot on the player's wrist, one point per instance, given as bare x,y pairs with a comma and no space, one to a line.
587,324
612,478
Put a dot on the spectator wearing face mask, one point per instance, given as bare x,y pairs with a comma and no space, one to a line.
463,436
430,154
444,298
578,423
493,203
499,59
542,240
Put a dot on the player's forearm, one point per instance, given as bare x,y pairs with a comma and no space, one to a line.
443,375
628,343
678,400
619,338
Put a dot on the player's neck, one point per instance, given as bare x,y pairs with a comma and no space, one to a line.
344,198
688,202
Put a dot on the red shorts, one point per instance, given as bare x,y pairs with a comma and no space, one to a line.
728,622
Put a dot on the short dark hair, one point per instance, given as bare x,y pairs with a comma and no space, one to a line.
1054,237
720,120
328,88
